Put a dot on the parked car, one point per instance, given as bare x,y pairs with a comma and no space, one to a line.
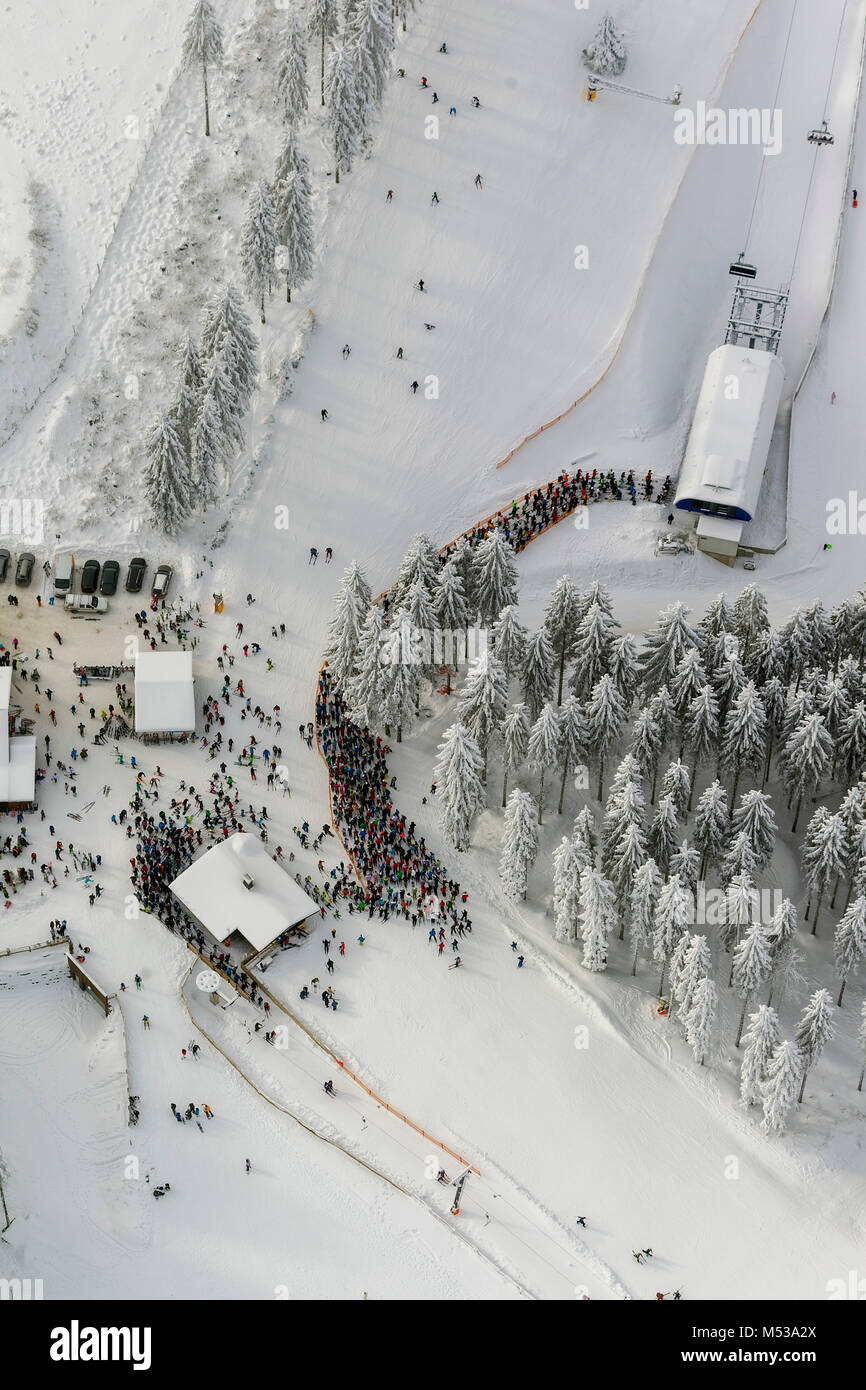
5,557
110,576
77,604
64,568
135,574
24,568
161,581
90,576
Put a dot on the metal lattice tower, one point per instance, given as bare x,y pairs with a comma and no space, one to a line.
756,318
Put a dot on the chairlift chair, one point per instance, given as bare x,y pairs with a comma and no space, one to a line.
742,268
820,137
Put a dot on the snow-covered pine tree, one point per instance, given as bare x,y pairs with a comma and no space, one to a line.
849,943
292,91
711,825
419,606
227,331
584,833
597,917
835,706
663,832
568,862
752,965
605,716
208,453
642,909
701,730
754,815
687,681
346,626
508,640
677,784
750,618
646,744
464,559
685,862
449,606
365,694
851,743
606,54
629,853
675,912
294,217
572,743
824,855
761,1038
560,621
784,956
766,658
796,639
822,638
228,411
544,749
814,1030
344,114
203,43
515,741
322,23
744,739
401,673
458,776
421,561
167,479
718,618
739,858
625,806
784,1073
623,667
495,578
729,678
592,649
370,32
700,1019
259,244
773,696
519,843
691,961
483,701
741,912
537,676
188,401
665,646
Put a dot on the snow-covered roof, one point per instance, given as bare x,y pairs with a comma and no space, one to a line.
212,889
725,457
5,688
164,693
18,774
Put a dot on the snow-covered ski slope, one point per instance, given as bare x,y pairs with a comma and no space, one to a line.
485,1057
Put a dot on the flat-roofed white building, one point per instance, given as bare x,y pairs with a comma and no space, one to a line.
237,887
723,466
164,693
17,755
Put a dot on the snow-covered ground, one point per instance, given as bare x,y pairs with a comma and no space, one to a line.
628,1130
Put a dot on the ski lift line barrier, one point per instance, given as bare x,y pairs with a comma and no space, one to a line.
588,392
39,946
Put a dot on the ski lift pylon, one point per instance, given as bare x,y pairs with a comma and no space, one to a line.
742,268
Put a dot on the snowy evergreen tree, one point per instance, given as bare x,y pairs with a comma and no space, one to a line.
814,1030
761,1038
419,606
685,863
605,716
711,825
767,660
642,909
785,959
688,680
673,915
584,833
482,703
784,1073
646,744
464,559
515,741
718,619
623,667
346,626
665,646
495,578
508,640
167,478
568,863
344,117
292,90
744,739
676,784
849,943
691,961
188,401
294,217
322,22
203,43
560,621
752,964
449,607
741,912
458,776
227,332
519,843
537,673
544,748
208,452
663,832
259,244
825,853
366,691
701,730
597,918
572,741
700,1019
221,396
754,816
851,744
729,678
592,650
739,858
773,696
421,561
750,618
796,640
370,32
606,54
625,806
401,674
629,853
